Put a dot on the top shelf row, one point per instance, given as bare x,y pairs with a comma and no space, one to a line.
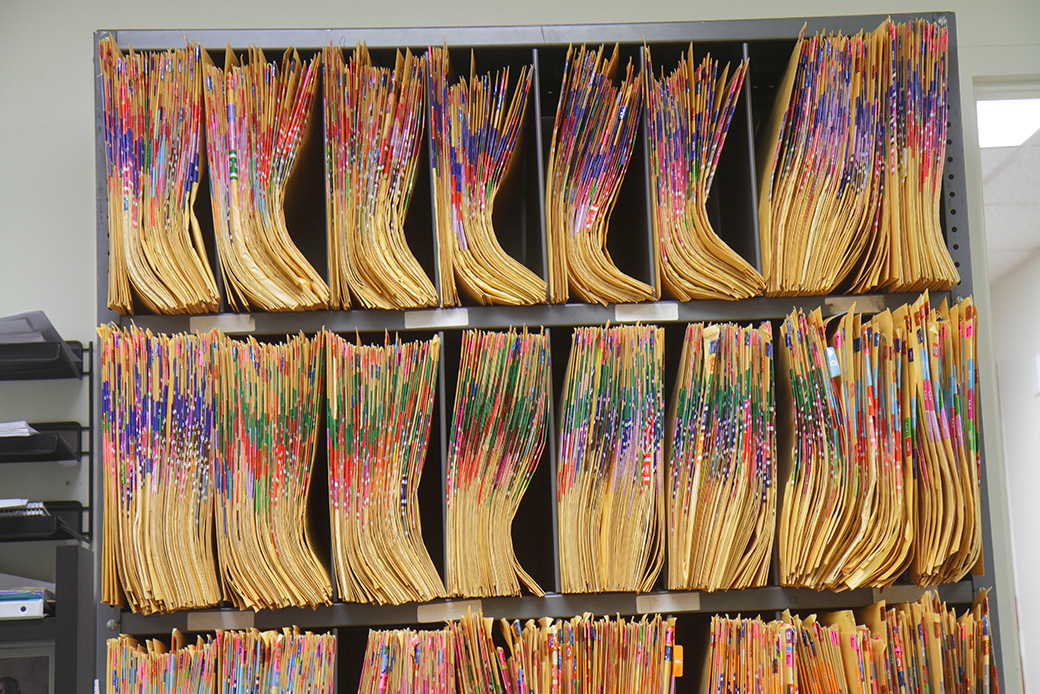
547,173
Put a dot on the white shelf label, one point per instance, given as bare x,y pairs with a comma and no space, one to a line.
437,318
865,303
225,322
898,594
211,620
445,611
646,313
673,602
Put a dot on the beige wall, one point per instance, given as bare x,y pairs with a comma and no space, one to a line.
47,186
1015,309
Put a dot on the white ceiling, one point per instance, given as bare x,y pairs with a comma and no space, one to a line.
1011,193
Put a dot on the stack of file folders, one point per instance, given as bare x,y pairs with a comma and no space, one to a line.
374,120
476,127
380,405
592,142
289,661
851,167
548,655
721,481
881,463
497,436
610,472
919,646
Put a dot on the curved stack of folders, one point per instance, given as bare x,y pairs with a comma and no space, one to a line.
850,165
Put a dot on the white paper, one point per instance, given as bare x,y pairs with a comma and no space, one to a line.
11,429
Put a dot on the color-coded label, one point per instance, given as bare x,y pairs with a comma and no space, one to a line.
833,365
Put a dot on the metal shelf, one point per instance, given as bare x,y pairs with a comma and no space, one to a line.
55,441
504,36
22,630
64,521
749,601
749,35
28,361
501,317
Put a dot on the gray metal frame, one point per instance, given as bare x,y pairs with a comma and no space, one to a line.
71,627
537,37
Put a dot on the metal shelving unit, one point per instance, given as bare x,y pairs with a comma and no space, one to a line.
760,40
55,442
71,627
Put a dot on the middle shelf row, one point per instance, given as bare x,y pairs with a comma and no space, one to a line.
846,457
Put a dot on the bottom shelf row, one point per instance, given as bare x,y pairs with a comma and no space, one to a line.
915,646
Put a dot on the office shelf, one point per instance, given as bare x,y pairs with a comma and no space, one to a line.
21,631
63,521
55,441
500,317
25,361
